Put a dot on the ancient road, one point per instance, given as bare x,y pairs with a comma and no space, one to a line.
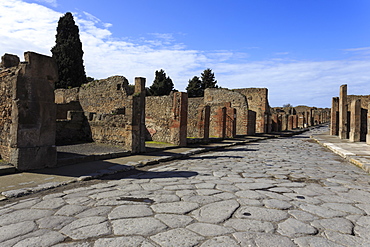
278,192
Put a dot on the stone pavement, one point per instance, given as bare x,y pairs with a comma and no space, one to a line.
276,192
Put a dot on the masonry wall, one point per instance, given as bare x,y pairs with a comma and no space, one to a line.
7,76
195,110
257,99
158,117
217,97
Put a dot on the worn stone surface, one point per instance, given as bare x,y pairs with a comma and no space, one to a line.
303,196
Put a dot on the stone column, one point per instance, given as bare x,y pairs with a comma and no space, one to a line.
368,124
251,123
284,122
334,127
180,119
355,128
33,127
138,117
290,121
343,109
295,121
207,118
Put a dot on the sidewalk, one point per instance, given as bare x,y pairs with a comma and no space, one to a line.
357,153
96,165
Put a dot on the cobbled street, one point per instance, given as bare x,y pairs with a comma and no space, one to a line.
277,192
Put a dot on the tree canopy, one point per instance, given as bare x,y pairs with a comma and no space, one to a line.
68,54
162,84
196,85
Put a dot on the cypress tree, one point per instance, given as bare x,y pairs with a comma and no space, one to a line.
162,84
194,87
68,53
208,79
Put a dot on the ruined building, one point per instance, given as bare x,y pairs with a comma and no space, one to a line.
349,116
35,117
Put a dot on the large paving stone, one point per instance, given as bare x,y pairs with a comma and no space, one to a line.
277,204
50,204
96,211
130,211
86,228
134,241
137,226
175,207
262,214
315,241
216,212
23,215
209,230
54,222
222,241
262,239
49,239
322,211
69,210
15,230
177,237
335,224
294,228
245,225
174,220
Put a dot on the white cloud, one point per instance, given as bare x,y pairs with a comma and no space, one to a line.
25,26
52,3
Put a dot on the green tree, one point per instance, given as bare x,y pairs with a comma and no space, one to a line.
194,88
162,84
197,86
68,53
208,79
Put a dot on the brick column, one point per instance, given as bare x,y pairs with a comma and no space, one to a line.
343,109
251,123
284,122
207,118
334,118
180,119
290,122
137,144
355,128
295,121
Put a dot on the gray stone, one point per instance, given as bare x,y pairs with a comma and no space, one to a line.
262,239
245,225
54,222
201,199
69,210
209,230
344,207
175,207
15,230
47,239
250,194
96,211
345,239
174,220
335,224
134,241
277,204
293,228
315,241
216,212
165,198
254,186
177,237
25,203
130,211
262,214
222,241
364,207
137,226
23,215
321,211
86,228
302,215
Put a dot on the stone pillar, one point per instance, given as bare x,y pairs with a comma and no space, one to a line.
368,124
343,109
180,119
284,122
290,122
295,121
207,118
33,127
137,144
355,128
230,122
251,123
334,118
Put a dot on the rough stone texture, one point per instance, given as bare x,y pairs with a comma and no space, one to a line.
216,212
129,211
293,228
137,226
177,237
86,228
28,113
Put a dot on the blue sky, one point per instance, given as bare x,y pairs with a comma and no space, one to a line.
302,51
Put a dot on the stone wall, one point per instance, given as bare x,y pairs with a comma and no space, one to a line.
28,127
257,99
220,96
7,76
195,117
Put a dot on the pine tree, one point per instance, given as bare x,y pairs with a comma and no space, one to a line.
208,79
194,88
162,84
68,53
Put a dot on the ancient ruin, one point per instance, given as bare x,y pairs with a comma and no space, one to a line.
349,116
35,118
